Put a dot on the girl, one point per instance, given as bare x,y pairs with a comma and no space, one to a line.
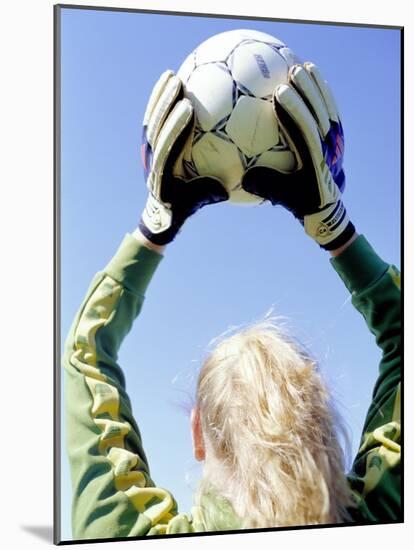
263,423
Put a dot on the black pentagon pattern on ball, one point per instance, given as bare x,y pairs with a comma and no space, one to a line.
251,161
189,169
227,65
235,93
220,124
223,135
243,89
198,134
238,90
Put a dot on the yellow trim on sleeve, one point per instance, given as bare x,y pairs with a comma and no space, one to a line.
155,503
395,276
396,413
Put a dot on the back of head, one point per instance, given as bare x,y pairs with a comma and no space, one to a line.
270,431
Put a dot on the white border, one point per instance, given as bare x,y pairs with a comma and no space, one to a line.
27,270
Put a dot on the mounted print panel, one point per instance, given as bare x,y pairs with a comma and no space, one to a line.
229,231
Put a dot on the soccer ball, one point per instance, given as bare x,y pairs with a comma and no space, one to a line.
230,79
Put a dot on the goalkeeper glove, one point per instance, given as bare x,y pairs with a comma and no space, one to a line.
167,131
306,111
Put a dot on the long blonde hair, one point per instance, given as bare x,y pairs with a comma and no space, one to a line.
271,432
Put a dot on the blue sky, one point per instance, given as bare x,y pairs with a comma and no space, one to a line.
230,264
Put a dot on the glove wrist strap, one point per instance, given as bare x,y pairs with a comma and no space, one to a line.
330,227
157,222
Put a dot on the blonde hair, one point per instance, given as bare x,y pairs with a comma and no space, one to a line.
271,431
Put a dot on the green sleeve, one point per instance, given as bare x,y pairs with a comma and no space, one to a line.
113,493
375,476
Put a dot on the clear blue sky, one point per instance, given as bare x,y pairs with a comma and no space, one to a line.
230,264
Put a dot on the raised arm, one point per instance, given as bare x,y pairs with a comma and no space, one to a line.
306,111
375,477
108,464
113,493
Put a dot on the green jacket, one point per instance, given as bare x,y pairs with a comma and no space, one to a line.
113,493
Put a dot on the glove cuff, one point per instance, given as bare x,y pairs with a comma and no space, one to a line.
331,227
157,222
158,238
342,238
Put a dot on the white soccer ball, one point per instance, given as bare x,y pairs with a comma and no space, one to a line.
230,79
